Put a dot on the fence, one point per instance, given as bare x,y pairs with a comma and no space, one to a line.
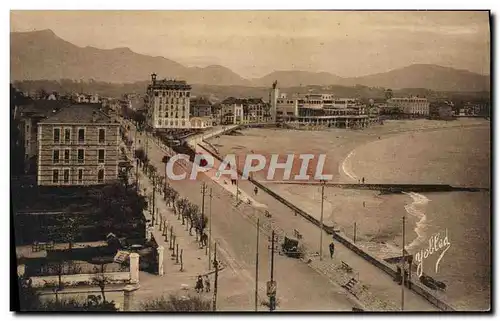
38,268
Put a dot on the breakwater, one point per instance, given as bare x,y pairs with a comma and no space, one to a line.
395,188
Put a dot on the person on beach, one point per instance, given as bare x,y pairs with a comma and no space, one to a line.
332,249
207,284
199,284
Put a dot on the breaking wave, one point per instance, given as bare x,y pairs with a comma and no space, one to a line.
416,209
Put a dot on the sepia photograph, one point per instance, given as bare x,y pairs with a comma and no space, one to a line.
250,161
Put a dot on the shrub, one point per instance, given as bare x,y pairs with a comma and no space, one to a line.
177,304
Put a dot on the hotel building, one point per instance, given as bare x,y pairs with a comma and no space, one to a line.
410,105
168,106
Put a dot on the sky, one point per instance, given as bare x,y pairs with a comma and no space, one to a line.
255,43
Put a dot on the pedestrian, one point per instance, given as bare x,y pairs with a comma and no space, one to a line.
363,180
207,283
255,190
199,284
332,249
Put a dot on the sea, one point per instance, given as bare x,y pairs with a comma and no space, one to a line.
457,224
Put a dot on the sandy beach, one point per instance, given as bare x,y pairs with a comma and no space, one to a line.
422,151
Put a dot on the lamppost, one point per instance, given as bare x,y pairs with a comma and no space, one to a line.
321,221
271,285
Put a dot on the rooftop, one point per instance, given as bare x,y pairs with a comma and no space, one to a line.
169,84
44,108
79,113
242,101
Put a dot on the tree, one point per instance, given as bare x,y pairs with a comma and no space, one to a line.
177,304
181,207
66,228
192,212
101,280
118,205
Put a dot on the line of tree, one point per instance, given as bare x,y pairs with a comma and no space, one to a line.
186,211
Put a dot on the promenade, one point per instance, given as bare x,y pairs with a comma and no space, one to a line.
300,287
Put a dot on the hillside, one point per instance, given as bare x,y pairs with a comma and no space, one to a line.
433,77
43,55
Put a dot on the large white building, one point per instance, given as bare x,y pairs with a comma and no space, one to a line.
411,105
321,109
168,106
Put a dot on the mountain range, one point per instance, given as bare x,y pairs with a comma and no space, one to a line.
43,55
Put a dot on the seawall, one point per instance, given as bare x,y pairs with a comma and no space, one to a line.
417,288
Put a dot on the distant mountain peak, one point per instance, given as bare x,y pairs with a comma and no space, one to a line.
42,54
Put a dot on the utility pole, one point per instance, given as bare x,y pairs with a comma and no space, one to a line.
321,221
154,192
216,265
237,188
203,191
210,230
257,267
403,269
137,175
271,286
147,143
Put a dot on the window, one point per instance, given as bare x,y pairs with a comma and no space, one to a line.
57,135
101,156
66,175
81,156
80,175
66,156
100,176
55,156
81,135
102,135
55,176
67,135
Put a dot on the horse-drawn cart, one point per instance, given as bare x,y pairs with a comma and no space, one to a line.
290,247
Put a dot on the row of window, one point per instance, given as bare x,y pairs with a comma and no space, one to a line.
172,101
65,178
81,135
171,115
80,158
165,122
172,94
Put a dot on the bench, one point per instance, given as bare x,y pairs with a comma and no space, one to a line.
349,286
346,267
297,234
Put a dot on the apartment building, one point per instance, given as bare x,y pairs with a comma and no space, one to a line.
411,105
79,145
167,103
245,111
28,117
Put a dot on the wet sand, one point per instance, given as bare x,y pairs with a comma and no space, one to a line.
386,153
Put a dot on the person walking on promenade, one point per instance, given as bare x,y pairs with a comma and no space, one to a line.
207,283
199,284
255,190
363,180
332,249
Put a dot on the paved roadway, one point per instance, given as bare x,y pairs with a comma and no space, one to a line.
299,287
